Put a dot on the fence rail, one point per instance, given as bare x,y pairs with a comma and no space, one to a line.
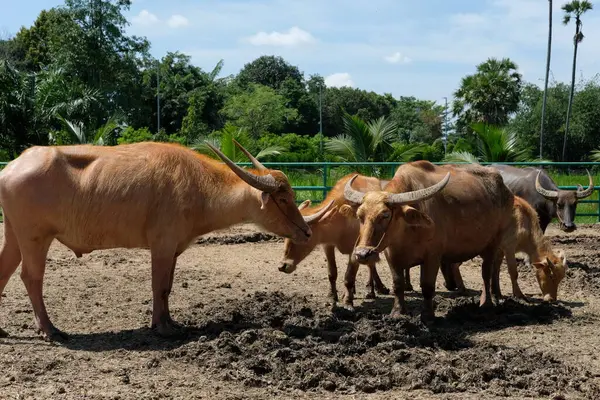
387,169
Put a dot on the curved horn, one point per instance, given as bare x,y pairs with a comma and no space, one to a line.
352,195
316,216
266,183
587,192
254,161
417,195
549,194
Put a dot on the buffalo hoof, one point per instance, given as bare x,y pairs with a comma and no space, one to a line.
382,290
370,296
3,333
408,288
397,313
55,335
333,297
169,329
348,306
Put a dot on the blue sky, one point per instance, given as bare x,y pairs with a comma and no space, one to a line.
418,48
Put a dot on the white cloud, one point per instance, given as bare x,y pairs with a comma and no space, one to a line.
145,18
178,21
339,79
397,58
292,37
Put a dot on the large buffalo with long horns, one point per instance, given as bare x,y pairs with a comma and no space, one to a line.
431,215
541,192
155,196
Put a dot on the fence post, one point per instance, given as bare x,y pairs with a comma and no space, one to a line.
325,171
598,204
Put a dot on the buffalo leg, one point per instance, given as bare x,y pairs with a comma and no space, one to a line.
332,271
449,280
455,270
163,267
429,271
10,258
511,262
407,285
379,286
349,283
497,263
487,271
397,271
371,283
34,252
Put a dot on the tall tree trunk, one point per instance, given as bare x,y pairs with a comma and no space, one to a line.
547,74
576,42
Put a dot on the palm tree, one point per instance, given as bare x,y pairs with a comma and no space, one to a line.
490,95
547,74
81,133
575,9
224,142
494,144
364,141
595,155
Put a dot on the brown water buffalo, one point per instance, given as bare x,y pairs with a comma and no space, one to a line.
431,215
538,189
525,235
154,196
333,231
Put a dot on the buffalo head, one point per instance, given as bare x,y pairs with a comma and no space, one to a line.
294,252
279,213
565,201
380,212
549,272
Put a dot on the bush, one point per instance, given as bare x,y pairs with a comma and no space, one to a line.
131,135
299,148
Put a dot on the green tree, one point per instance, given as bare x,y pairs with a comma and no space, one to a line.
224,141
270,71
364,141
494,144
490,95
259,109
574,9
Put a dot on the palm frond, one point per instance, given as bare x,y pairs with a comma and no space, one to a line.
461,157
595,156
343,146
270,151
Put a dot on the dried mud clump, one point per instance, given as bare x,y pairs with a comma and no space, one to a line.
275,340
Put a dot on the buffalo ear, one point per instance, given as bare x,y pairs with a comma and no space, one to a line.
416,218
264,199
347,211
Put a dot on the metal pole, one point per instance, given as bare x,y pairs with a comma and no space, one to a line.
158,97
547,72
321,119
445,123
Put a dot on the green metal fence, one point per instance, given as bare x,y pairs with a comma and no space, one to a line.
327,173
385,170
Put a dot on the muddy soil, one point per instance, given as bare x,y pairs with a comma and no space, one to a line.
253,332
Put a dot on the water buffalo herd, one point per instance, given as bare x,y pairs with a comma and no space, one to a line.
161,197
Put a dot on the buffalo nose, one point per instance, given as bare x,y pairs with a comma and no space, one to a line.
363,253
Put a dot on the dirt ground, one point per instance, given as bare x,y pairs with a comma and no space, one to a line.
257,333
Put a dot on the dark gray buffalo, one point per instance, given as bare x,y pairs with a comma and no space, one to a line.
540,191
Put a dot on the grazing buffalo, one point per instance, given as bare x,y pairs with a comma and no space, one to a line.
430,215
333,231
538,189
154,196
525,236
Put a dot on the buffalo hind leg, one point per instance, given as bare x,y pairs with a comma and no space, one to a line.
10,258
331,272
407,285
429,271
488,273
34,252
163,268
